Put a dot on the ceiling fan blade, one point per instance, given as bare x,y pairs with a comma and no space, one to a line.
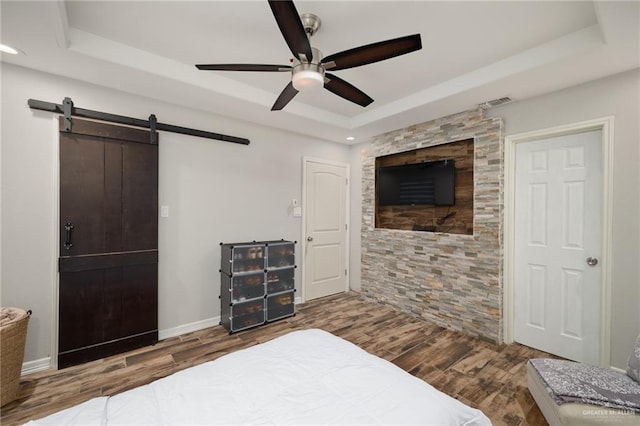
287,94
291,28
346,90
374,52
243,67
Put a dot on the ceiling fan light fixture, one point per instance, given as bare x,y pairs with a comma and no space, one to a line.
307,80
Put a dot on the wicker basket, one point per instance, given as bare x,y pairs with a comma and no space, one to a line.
13,334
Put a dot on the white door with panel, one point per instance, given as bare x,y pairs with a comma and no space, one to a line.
557,245
326,229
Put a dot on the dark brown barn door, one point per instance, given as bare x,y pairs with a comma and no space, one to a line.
108,299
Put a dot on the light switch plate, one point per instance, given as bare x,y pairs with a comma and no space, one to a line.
297,211
164,211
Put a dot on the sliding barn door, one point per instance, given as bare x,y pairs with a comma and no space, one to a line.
108,296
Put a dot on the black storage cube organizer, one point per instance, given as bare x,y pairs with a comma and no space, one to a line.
256,283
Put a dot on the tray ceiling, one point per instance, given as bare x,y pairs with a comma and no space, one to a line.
472,52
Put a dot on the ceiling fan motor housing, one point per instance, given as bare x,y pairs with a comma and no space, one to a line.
314,64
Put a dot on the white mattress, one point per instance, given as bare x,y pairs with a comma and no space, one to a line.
304,377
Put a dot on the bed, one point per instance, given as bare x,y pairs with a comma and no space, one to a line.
304,377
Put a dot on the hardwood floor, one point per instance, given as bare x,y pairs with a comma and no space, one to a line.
483,375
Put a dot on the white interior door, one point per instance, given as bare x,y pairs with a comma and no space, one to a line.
557,242
325,241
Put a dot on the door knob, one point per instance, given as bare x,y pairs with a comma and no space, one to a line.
309,238
592,261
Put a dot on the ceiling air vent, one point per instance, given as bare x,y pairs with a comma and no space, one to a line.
495,102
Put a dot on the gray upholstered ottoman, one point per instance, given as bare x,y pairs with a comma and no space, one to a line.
575,413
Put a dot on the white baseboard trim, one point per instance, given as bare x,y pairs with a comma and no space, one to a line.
35,366
298,301
619,370
188,328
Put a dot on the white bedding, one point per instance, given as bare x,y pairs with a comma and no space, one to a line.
304,377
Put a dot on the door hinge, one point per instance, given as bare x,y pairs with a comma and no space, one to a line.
346,181
345,227
345,272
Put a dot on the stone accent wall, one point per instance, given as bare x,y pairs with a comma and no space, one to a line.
450,279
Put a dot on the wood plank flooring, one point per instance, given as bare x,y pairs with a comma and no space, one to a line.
483,375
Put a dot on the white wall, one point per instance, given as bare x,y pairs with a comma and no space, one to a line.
216,192
617,96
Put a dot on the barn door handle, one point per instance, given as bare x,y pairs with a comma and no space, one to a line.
67,243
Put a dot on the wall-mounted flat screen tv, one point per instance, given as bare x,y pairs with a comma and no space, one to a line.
430,183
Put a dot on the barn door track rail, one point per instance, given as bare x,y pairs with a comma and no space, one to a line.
68,110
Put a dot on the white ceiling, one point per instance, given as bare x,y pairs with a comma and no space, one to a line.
472,52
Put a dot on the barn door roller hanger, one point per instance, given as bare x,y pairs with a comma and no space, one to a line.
68,110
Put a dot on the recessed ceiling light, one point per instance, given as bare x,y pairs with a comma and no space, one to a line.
8,49
350,138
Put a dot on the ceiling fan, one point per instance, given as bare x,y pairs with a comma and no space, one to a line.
309,67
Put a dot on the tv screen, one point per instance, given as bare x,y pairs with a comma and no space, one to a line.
430,183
